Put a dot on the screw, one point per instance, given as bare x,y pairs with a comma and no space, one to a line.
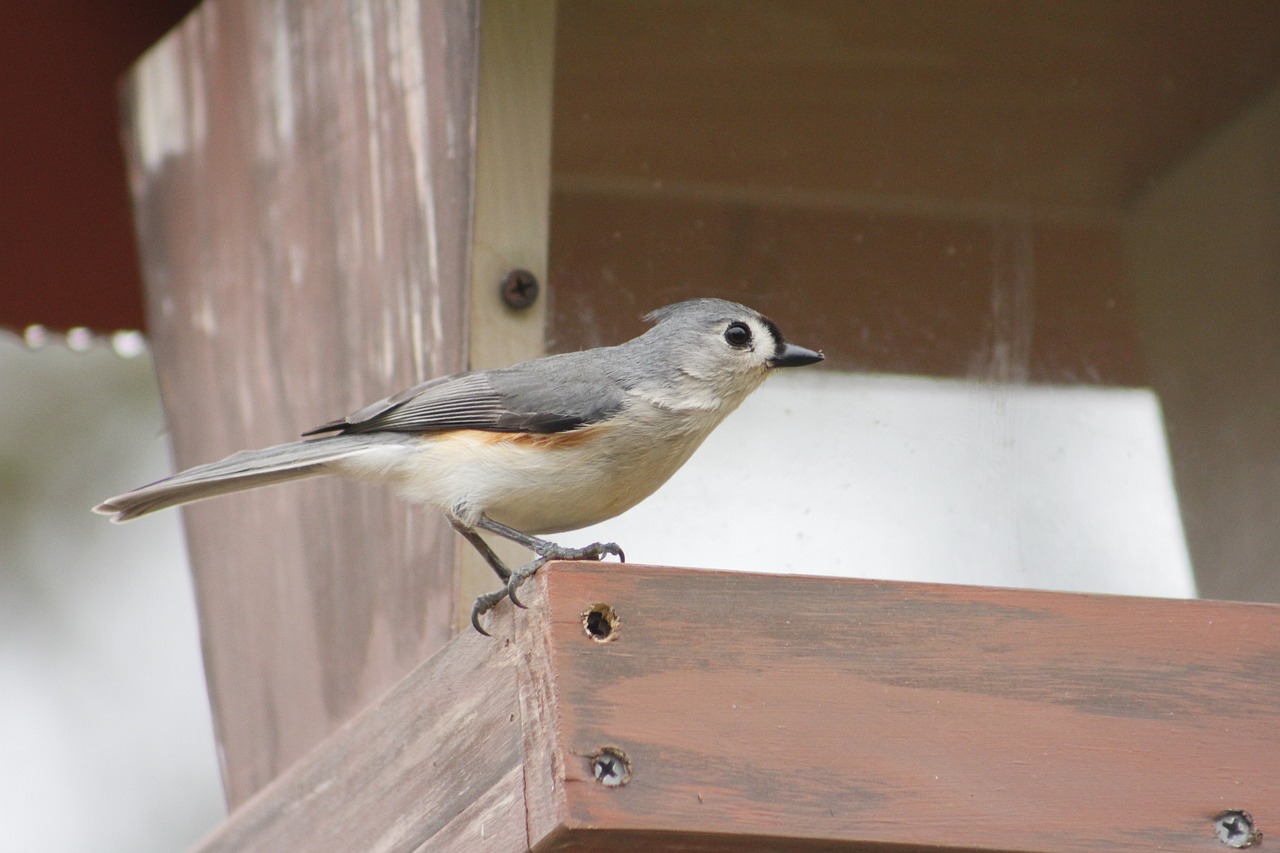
610,767
1235,828
519,289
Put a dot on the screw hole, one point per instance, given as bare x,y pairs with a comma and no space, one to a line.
600,621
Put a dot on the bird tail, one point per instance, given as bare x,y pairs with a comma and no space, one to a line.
247,469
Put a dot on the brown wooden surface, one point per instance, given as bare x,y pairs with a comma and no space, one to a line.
878,713
908,293
800,713
435,764
302,188
1068,105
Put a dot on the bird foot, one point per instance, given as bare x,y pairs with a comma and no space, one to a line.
594,551
551,551
546,553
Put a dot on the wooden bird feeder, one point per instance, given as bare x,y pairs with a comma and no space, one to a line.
328,198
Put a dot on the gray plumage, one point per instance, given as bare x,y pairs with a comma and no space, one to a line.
552,394
549,395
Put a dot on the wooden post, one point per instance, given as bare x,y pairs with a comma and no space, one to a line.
797,713
303,180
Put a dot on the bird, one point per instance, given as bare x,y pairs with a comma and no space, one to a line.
550,445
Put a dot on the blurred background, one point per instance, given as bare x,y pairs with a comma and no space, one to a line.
106,742
1038,242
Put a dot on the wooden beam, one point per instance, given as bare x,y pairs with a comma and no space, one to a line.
803,713
513,176
512,211
302,178
438,758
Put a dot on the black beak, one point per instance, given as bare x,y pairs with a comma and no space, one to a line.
794,356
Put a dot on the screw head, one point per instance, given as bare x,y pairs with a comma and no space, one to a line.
1235,828
519,289
610,767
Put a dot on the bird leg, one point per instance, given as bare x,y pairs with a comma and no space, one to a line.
489,600
545,551
490,557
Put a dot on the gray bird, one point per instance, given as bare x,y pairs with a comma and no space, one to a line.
553,444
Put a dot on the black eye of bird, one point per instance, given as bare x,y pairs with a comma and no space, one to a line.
738,335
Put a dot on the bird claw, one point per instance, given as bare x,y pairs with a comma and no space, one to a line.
519,576
483,605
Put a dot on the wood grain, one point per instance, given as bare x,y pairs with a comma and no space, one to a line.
435,764
877,291
757,708
765,712
302,179
1049,106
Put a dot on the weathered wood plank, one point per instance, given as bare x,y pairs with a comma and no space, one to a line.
795,713
302,181
495,821
756,708
435,764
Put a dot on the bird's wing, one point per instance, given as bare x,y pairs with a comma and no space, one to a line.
549,395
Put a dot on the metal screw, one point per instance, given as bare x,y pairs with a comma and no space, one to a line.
610,767
1235,828
519,289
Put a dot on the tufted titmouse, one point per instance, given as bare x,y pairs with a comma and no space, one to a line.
549,445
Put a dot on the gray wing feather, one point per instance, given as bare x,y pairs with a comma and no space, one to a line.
450,402
552,394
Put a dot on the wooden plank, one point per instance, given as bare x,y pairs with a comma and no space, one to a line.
797,713
433,765
1204,286
1045,105
909,292
302,178
545,772
512,212
513,176
813,713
